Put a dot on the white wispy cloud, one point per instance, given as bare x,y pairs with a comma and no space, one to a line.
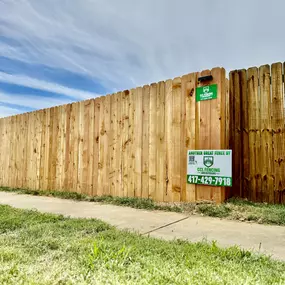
31,101
45,86
130,42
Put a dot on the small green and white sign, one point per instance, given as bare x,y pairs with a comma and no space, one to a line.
206,92
209,167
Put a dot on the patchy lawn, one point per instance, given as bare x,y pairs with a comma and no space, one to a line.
48,249
234,209
242,210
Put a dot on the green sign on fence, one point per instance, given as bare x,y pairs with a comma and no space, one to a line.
206,92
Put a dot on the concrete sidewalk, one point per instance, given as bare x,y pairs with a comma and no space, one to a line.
166,225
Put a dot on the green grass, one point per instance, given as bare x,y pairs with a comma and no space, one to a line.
237,209
136,203
48,249
234,209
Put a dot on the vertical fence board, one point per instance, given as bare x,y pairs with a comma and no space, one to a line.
76,121
86,128
160,143
30,150
15,148
63,145
190,128
1,150
59,151
34,150
112,144
23,150
72,147
11,154
245,133
5,147
83,147
254,132
232,86
6,152
227,114
183,148
54,162
2,144
176,148
67,147
119,152
152,141
96,147
80,141
46,149
130,147
236,139
138,136
27,166
106,188
266,153
91,140
12,151
101,162
17,151
218,123
145,141
39,116
125,142
42,151
49,149
278,129
168,194
2,141
20,148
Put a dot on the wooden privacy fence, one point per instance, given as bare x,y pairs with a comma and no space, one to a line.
257,134
132,143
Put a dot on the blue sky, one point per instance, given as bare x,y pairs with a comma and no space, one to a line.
54,52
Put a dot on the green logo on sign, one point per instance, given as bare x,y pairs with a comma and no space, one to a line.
206,92
208,161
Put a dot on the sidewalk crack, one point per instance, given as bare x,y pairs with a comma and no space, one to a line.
164,226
